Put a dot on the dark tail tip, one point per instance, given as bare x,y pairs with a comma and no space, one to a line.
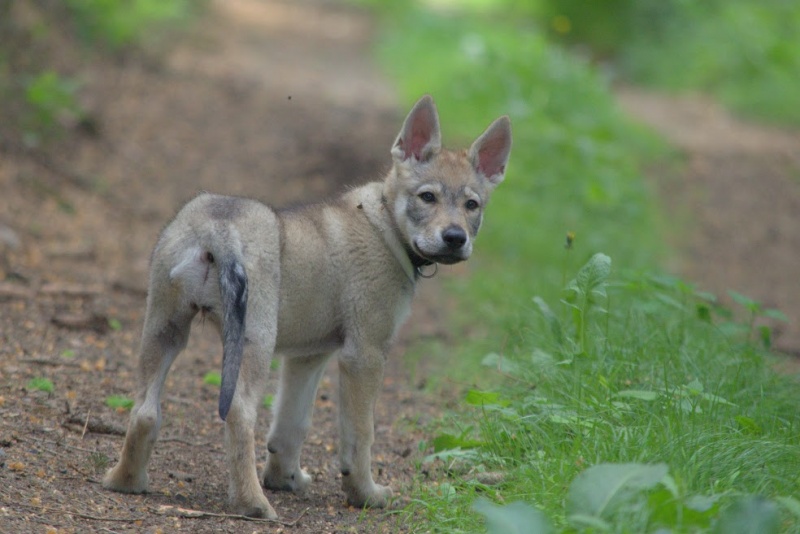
225,399
233,289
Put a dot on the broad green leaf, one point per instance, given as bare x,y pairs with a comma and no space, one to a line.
268,400
716,398
212,378
701,503
638,394
515,518
446,490
748,425
581,521
749,515
481,398
775,314
592,275
590,280
599,490
694,387
119,401
746,302
444,442
550,317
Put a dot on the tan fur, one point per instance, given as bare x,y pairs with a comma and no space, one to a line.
323,279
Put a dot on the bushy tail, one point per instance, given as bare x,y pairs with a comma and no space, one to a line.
233,289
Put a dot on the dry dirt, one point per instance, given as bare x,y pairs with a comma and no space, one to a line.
273,100
278,101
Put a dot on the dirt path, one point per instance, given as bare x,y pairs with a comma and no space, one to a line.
739,193
274,100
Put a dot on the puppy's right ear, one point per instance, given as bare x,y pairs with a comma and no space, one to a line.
419,137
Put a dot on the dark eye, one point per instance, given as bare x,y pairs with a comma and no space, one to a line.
471,204
428,197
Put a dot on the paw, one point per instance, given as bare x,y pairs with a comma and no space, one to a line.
120,479
257,506
372,496
274,479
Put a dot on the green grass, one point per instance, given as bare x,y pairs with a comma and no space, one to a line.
741,51
600,395
41,384
118,402
123,23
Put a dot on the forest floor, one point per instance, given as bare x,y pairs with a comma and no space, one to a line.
279,101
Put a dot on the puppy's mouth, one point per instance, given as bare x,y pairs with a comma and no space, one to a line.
446,257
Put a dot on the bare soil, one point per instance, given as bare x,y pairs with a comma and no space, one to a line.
274,100
278,101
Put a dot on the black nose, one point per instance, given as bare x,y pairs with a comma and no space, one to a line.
454,237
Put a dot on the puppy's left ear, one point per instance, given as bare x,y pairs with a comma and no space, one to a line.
489,153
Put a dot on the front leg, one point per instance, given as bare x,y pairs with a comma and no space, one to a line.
360,377
292,419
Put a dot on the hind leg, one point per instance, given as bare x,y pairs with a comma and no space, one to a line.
166,331
245,493
293,407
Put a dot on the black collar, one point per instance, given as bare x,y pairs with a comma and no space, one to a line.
416,260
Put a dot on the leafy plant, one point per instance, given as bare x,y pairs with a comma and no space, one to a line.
41,384
119,402
122,23
514,518
49,98
212,378
585,292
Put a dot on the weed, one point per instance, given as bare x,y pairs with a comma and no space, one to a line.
99,461
121,23
41,384
596,375
212,378
50,98
119,402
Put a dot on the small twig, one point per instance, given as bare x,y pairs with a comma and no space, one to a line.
94,425
13,291
47,361
201,514
56,443
86,424
185,442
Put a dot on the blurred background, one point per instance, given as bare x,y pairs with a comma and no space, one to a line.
664,134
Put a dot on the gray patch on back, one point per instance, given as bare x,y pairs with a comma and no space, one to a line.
226,208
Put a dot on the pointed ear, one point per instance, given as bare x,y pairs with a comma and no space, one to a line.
420,136
489,153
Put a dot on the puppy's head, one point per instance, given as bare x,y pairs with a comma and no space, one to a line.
437,196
